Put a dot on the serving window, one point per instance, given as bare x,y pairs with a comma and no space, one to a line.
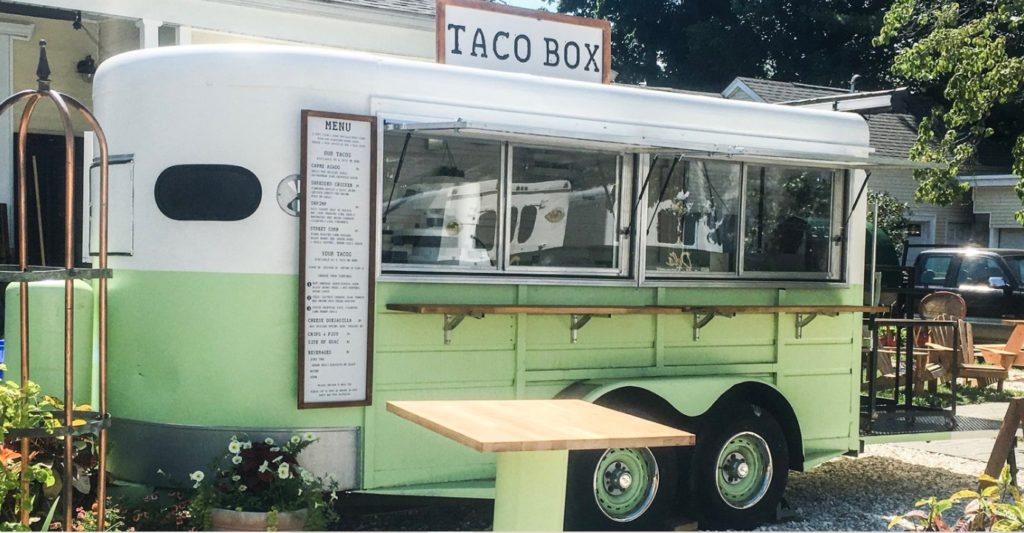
440,201
461,204
564,209
693,212
735,220
791,221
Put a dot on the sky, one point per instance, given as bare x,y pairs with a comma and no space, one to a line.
532,4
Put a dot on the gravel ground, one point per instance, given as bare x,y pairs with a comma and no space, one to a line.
860,494
845,494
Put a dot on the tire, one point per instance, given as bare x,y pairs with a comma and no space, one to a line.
739,468
620,489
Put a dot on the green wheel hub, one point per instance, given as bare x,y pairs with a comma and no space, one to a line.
744,470
625,483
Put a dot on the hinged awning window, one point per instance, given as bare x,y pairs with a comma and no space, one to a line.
646,145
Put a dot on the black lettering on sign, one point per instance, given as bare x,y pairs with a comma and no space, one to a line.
552,48
479,41
571,55
522,48
457,29
592,60
335,125
494,45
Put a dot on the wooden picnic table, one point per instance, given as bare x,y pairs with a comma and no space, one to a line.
532,439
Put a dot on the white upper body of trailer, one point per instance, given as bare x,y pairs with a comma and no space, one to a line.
240,105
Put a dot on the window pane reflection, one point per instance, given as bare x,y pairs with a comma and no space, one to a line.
788,220
693,212
441,209
563,209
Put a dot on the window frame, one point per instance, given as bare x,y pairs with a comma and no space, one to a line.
631,219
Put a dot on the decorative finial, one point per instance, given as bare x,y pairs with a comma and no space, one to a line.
43,70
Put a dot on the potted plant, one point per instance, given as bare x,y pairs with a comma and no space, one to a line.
258,486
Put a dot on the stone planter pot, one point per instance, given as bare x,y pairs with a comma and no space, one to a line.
228,520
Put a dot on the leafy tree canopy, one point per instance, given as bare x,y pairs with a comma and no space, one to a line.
973,52
704,44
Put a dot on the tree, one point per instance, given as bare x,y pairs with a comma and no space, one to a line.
704,44
892,216
974,52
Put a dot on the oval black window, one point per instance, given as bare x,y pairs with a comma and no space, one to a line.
207,192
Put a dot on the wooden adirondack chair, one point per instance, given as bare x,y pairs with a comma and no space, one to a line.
1015,344
967,367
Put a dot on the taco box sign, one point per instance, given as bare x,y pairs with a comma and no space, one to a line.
479,34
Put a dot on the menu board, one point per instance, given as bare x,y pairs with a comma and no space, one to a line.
336,254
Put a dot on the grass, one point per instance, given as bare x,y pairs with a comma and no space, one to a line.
965,395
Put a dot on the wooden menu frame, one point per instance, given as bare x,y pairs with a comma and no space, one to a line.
371,243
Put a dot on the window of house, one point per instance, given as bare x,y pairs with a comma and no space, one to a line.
693,211
564,209
440,201
790,221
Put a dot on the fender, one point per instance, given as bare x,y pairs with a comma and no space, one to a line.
692,396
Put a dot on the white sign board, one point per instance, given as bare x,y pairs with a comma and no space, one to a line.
336,259
478,34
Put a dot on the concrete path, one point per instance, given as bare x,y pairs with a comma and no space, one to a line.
971,448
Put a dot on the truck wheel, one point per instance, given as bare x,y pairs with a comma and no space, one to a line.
739,469
620,489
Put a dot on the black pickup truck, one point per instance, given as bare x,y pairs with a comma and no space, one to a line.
988,279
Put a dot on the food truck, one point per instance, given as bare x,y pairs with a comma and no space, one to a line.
298,236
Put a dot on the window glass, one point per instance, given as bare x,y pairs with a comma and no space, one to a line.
693,212
1016,263
976,270
564,209
440,201
788,222
207,192
934,269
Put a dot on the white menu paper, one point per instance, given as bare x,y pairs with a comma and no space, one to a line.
337,251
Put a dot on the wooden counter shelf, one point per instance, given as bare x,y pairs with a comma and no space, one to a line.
581,314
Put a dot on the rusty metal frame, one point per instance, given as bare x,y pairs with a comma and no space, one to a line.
64,103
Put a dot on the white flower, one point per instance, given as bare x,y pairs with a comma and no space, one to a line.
197,476
300,492
265,467
278,458
275,449
296,439
235,477
237,459
269,441
307,476
235,447
282,471
241,488
246,445
309,436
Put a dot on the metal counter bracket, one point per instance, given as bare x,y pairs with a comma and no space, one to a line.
576,323
702,319
802,319
452,321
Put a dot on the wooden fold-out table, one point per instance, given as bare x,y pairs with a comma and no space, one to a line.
532,439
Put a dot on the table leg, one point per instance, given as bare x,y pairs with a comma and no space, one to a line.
530,491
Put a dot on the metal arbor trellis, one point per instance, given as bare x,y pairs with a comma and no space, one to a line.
98,421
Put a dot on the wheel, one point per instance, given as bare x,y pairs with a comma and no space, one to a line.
739,468
620,489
